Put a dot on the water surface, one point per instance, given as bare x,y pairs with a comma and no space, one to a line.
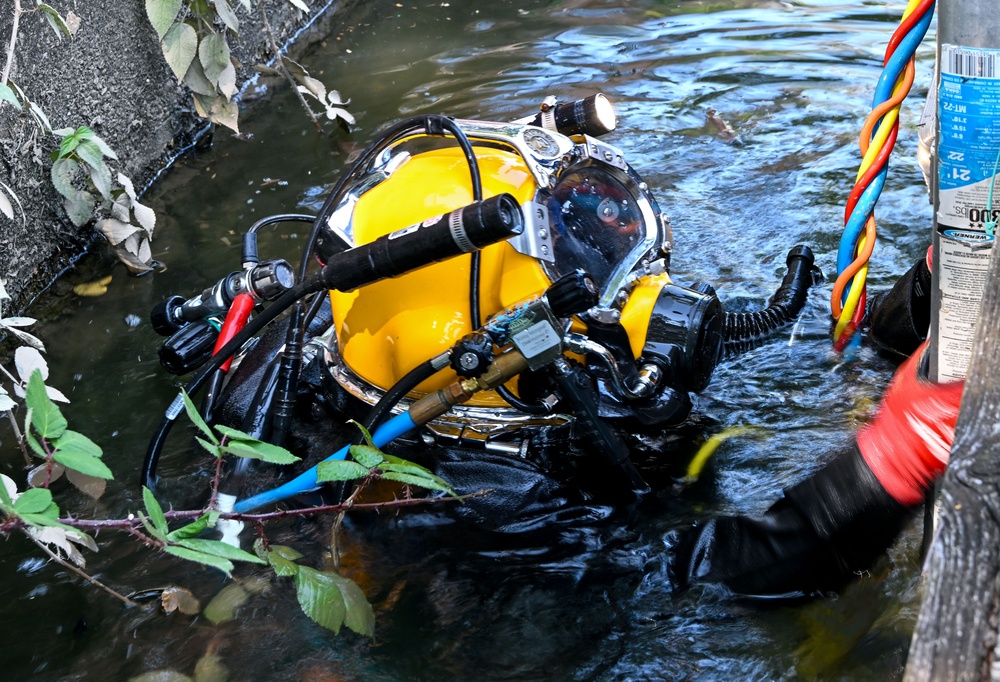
794,80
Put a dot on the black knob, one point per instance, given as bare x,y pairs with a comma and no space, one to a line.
188,348
164,316
472,355
271,279
572,293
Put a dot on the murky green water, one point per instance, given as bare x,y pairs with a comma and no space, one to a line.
795,81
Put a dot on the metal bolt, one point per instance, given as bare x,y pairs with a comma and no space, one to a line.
468,361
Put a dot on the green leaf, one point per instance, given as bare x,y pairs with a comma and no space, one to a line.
227,15
100,175
90,153
155,511
211,447
340,470
68,145
366,455
85,464
320,598
103,146
260,450
79,207
150,528
63,172
161,14
48,519
364,432
76,451
360,617
196,418
282,566
77,443
180,45
420,481
33,501
5,494
56,21
46,418
220,549
243,444
36,447
287,552
191,530
220,563
198,82
7,95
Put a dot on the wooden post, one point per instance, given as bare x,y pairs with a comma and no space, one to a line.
956,636
956,633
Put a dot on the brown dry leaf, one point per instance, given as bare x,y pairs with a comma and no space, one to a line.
95,288
88,485
179,599
40,474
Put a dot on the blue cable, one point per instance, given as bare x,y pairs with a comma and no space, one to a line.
305,482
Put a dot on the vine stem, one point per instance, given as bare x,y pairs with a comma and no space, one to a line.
83,574
126,524
13,43
19,437
281,66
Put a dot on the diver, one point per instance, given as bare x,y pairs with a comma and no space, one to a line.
841,519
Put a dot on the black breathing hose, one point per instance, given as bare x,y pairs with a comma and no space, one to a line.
746,329
409,381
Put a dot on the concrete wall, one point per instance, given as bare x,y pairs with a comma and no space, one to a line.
113,78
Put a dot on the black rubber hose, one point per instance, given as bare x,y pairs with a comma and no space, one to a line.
787,302
409,381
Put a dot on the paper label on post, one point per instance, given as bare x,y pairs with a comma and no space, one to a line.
969,144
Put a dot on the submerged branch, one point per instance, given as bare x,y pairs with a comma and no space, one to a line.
83,574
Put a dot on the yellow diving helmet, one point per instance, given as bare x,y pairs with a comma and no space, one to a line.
584,208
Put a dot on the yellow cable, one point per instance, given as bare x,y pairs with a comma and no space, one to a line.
708,449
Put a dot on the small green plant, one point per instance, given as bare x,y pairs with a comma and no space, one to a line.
82,154
80,170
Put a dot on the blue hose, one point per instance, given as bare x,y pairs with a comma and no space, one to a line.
303,483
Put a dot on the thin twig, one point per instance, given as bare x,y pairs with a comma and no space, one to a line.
281,67
83,574
13,43
20,437
127,524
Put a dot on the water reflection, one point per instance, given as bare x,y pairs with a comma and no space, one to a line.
587,601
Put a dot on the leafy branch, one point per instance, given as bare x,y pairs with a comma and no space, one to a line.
194,38
327,597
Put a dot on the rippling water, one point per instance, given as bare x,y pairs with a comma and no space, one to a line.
794,80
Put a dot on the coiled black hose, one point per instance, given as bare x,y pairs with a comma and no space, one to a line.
744,330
